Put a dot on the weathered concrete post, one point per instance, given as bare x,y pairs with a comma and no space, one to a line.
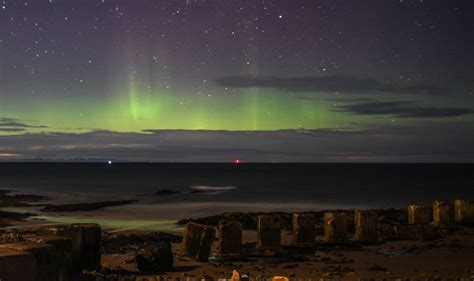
365,226
443,213
17,265
304,228
419,214
197,241
335,226
85,238
90,237
63,249
464,211
268,232
44,255
230,237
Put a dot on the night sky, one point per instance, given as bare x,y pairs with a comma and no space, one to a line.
219,80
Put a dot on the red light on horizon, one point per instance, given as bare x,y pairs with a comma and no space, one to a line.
237,161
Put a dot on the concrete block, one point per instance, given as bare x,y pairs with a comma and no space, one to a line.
63,248
443,213
45,256
303,228
90,241
17,265
419,214
85,239
335,226
230,237
268,232
197,241
464,211
365,226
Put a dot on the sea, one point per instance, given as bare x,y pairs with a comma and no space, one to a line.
213,188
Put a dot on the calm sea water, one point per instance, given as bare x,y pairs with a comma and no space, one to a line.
234,187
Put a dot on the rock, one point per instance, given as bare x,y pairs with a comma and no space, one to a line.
44,255
280,278
335,226
268,232
206,278
303,228
365,226
230,237
81,207
12,237
17,265
464,211
197,241
415,232
63,253
235,276
419,214
164,192
158,258
247,220
443,213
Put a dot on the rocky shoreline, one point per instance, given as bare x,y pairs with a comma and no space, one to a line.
381,243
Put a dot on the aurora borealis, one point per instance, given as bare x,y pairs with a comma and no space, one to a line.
113,79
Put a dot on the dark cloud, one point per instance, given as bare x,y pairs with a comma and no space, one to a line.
15,125
414,143
11,130
405,109
333,83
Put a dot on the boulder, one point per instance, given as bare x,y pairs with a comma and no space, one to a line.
157,258
197,241
415,232
365,226
419,214
464,211
17,265
63,249
335,226
303,228
45,257
443,213
230,237
268,232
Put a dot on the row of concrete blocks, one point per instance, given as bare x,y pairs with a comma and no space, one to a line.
198,238
51,254
442,213
304,228
421,219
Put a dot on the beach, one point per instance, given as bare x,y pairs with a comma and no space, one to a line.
130,218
